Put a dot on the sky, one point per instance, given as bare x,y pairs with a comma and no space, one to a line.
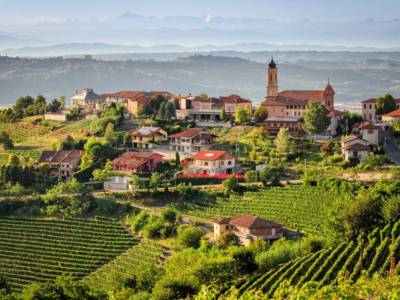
29,11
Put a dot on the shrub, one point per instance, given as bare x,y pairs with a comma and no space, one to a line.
227,239
188,236
391,209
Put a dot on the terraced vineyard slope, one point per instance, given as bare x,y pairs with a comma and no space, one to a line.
137,258
39,250
298,207
349,259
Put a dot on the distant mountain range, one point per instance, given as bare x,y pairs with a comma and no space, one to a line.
122,33
103,48
354,76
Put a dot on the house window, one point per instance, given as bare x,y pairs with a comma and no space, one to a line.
370,106
253,231
365,106
229,162
355,154
206,163
370,131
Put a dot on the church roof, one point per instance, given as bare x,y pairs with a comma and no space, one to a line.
305,95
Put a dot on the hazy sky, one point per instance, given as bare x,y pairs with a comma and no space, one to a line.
27,11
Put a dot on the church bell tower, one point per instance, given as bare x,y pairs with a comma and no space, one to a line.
272,80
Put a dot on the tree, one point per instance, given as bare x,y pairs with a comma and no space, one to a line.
242,115
177,159
62,101
13,160
230,185
67,144
136,182
155,103
54,106
284,144
170,111
6,140
362,215
162,111
227,239
328,148
109,133
223,116
103,174
316,119
203,96
261,114
188,236
155,181
86,161
127,140
385,104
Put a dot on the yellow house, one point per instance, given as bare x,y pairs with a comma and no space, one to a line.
148,137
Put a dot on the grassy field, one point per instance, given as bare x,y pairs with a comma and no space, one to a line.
39,250
297,207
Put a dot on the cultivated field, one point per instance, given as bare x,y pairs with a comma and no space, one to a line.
39,250
298,207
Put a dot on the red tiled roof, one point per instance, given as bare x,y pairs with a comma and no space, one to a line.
250,222
350,138
357,147
212,155
134,159
124,94
393,114
188,133
304,95
366,125
56,157
144,131
373,101
234,99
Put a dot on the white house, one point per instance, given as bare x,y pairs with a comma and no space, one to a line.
355,149
210,162
369,132
120,183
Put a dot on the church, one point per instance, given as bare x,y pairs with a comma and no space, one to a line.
286,108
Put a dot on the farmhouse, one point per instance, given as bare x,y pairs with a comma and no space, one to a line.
248,228
191,141
136,162
292,103
62,163
355,149
210,163
148,137
88,101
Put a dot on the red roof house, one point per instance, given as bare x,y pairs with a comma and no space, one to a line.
248,228
136,162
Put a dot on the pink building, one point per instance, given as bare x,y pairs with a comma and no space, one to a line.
136,162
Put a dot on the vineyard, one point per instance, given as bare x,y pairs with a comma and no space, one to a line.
297,207
27,157
347,260
137,258
24,130
39,250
